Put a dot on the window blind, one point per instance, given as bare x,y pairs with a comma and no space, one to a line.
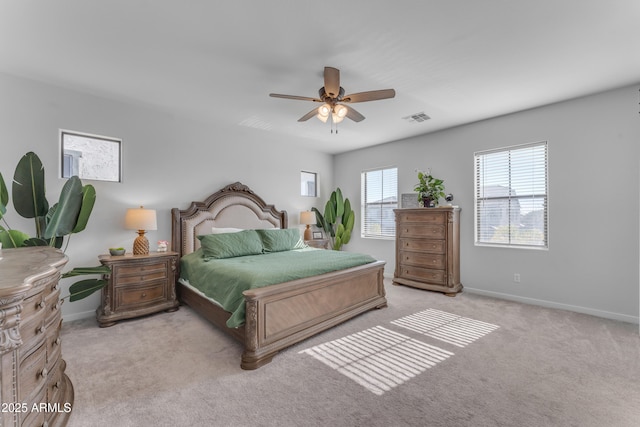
379,196
511,186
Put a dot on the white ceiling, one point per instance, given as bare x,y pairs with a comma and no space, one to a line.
458,61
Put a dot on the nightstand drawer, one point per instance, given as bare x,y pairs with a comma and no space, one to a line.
141,278
140,296
137,270
426,260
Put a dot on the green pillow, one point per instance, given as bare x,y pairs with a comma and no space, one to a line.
278,240
229,245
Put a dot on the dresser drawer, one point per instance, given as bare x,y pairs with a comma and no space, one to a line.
432,217
53,343
33,331
32,305
140,296
420,259
423,274
426,231
424,245
32,374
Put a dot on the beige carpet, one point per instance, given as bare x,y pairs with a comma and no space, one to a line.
426,360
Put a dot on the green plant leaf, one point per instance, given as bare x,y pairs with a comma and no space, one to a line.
339,203
84,288
13,238
88,200
35,241
28,188
350,221
346,237
4,197
65,217
330,211
80,271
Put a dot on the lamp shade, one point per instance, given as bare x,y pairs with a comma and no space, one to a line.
140,219
307,217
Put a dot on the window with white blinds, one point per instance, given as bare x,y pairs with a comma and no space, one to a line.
379,196
511,206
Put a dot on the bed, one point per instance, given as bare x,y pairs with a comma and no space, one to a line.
279,315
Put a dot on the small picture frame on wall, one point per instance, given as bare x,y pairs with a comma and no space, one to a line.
317,234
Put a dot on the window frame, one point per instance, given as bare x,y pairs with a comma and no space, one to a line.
71,157
382,205
508,198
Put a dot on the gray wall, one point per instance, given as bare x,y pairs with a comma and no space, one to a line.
592,262
168,162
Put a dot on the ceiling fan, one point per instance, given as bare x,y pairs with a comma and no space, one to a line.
332,97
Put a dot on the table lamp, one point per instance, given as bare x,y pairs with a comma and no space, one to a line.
140,219
308,218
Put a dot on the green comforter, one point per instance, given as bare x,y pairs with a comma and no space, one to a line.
224,280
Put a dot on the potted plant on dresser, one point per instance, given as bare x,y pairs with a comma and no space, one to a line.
430,190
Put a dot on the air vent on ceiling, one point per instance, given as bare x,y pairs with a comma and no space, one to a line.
417,117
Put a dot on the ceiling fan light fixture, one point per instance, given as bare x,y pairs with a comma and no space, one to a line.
324,110
336,118
340,111
323,119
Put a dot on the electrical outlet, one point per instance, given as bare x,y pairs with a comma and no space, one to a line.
516,277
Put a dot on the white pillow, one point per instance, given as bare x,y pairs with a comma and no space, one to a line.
221,230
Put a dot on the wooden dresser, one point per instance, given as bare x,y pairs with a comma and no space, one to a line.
35,390
138,285
428,249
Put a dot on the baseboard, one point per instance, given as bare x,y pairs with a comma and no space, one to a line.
551,304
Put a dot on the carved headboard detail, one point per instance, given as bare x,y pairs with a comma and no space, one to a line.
235,205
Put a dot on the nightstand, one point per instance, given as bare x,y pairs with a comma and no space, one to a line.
318,243
138,285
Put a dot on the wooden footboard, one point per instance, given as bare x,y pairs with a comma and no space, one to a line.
280,315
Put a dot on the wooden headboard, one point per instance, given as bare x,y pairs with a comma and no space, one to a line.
233,206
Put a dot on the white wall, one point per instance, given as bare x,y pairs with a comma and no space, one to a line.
592,262
168,162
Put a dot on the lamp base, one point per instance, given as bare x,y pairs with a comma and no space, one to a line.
141,244
307,233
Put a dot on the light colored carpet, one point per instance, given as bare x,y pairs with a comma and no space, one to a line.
432,360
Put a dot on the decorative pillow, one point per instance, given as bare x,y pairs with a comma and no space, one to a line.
229,245
216,230
278,240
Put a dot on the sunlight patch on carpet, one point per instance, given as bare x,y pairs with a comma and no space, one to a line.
450,328
377,358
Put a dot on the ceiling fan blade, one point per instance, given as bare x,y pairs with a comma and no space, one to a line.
372,95
307,116
299,98
354,115
332,81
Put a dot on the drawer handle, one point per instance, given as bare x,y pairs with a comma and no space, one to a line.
42,304
56,307
57,341
44,372
57,385
41,330
144,294
56,287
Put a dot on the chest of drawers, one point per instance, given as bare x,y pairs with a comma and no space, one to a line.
428,249
35,390
138,285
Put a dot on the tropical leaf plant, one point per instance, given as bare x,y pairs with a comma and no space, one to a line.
338,219
52,225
